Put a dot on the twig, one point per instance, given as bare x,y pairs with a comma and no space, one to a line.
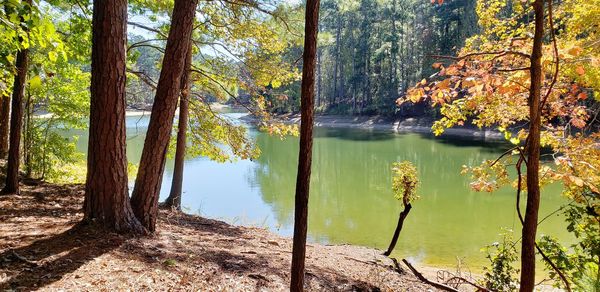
554,267
504,154
24,259
479,287
422,278
497,53
397,267
556,57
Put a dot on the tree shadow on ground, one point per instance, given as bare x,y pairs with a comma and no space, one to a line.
198,223
39,242
48,260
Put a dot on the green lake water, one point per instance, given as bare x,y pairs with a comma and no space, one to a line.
351,199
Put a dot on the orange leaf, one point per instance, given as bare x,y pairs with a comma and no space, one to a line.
580,70
579,123
575,51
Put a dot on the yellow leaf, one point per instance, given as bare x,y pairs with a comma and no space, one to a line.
52,56
35,82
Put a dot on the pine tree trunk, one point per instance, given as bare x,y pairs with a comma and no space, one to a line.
533,156
320,78
394,90
336,62
106,192
174,199
148,182
16,124
4,124
306,140
27,139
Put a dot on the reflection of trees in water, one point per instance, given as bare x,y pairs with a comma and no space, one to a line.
351,198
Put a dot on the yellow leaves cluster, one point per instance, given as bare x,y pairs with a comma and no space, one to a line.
487,177
405,180
579,163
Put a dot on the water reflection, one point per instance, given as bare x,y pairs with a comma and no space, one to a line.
351,199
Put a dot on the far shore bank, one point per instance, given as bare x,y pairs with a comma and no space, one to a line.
396,125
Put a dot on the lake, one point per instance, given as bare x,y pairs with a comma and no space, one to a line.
351,199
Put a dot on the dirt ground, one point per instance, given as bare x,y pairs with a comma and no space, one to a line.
43,247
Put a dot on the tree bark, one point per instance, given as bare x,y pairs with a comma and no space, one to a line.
338,32
533,156
394,64
320,78
27,138
106,191
4,124
174,199
16,123
148,182
401,219
306,140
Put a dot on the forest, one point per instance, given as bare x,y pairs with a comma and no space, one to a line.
273,145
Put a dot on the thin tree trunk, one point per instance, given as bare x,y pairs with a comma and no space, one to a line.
533,156
4,124
342,87
394,94
320,78
174,199
152,164
337,61
16,123
401,219
106,191
306,140
28,138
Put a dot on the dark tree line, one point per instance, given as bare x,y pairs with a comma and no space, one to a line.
370,52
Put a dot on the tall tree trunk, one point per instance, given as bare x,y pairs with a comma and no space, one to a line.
16,122
152,164
306,140
405,57
338,32
106,192
394,91
174,199
27,138
533,156
4,124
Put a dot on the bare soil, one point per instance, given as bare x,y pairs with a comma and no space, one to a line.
43,247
